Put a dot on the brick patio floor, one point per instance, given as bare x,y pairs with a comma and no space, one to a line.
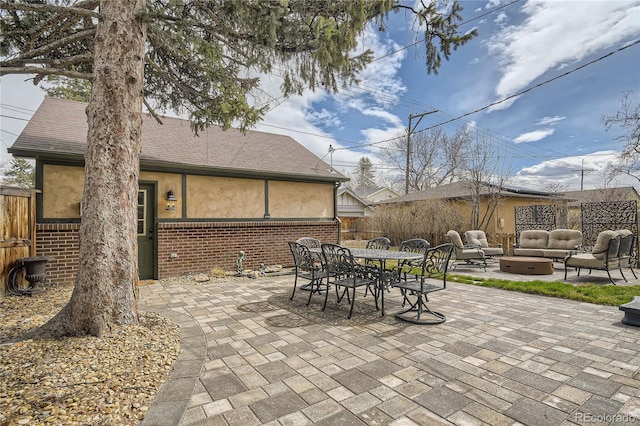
249,356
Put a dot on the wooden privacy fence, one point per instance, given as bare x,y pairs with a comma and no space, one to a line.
17,229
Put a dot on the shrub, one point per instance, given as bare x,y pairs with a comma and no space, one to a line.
428,219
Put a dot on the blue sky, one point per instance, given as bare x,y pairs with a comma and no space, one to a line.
543,135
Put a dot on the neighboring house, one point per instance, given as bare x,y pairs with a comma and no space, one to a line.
503,218
202,198
374,195
351,205
625,193
355,209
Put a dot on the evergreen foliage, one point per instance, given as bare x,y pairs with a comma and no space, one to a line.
365,177
204,57
19,173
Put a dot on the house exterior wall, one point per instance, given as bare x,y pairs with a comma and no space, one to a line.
62,191
200,246
203,246
503,220
299,200
221,197
223,216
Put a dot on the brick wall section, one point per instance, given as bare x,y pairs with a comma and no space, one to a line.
202,246
60,242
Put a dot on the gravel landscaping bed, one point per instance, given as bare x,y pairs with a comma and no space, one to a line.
110,380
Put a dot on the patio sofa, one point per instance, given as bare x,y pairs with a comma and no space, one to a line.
556,244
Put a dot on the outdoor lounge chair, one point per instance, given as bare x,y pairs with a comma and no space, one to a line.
472,256
432,277
603,257
479,238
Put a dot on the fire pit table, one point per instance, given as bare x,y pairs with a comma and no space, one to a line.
526,265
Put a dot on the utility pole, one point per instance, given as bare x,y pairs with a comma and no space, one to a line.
582,170
409,131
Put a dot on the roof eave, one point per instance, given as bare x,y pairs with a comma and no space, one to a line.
169,167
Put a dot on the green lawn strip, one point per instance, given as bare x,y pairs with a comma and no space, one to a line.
591,293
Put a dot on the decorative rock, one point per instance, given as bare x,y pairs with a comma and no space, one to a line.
273,268
202,278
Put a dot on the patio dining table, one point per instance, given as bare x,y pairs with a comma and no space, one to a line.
381,256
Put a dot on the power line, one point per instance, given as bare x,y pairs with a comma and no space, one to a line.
15,118
535,87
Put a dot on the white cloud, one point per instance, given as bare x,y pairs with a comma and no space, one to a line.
501,18
549,121
325,117
568,172
534,136
493,4
384,115
547,39
379,81
379,88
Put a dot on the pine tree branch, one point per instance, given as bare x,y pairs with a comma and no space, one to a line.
52,62
152,111
44,71
82,9
51,46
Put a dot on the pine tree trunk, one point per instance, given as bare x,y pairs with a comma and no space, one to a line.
105,293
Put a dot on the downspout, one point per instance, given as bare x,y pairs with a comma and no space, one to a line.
336,185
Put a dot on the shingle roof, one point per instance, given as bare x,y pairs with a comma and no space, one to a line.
58,129
601,194
460,189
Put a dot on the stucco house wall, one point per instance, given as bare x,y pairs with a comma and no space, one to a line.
251,192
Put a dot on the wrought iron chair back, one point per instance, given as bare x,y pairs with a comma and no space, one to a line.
306,267
415,245
432,277
379,243
309,242
342,271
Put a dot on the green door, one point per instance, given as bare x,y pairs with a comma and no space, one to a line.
146,232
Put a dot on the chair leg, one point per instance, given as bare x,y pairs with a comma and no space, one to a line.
610,279
633,272
295,282
353,300
625,278
420,308
326,295
311,292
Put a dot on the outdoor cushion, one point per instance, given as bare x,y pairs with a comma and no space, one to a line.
476,238
564,239
455,238
623,232
589,261
602,242
534,238
556,253
528,252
